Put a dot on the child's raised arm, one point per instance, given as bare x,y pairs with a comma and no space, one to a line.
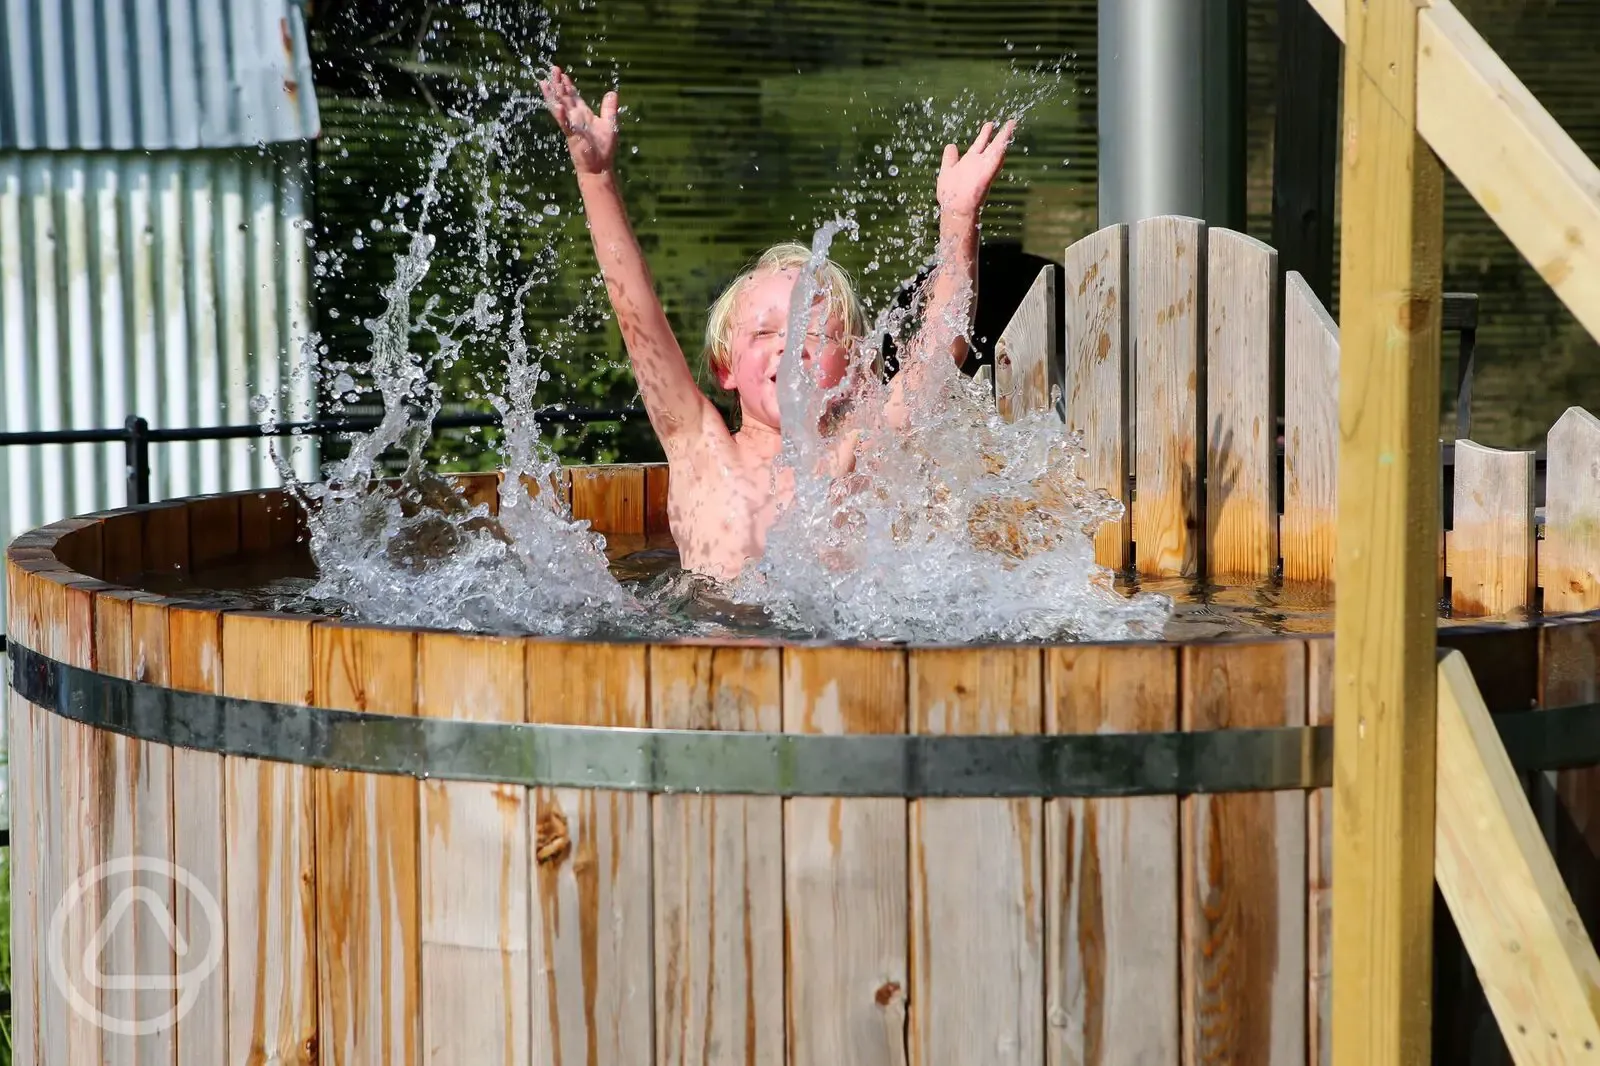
963,185
678,410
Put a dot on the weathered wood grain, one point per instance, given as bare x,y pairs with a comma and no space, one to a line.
1310,434
1167,391
612,498
845,872
977,874
132,812
1111,873
474,864
1570,551
1095,372
1384,635
1241,371
150,772
1492,537
271,834
718,872
1504,889
368,935
1024,350
589,864
1244,903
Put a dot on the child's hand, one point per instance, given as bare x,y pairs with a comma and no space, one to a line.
964,180
591,138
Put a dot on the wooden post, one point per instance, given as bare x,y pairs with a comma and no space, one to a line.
1384,685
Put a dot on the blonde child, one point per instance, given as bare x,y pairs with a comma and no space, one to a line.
726,489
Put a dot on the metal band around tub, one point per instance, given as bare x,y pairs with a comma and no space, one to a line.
780,764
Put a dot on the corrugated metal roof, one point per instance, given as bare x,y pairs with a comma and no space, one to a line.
153,74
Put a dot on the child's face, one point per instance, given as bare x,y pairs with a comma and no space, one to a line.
760,323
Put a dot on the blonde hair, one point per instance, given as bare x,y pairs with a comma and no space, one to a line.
831,279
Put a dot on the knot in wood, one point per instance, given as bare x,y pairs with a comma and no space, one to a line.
552,843
888,993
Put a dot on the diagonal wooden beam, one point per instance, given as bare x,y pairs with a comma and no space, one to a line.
1501,883
1388,521
1507,151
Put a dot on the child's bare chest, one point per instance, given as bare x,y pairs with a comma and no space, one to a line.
720,513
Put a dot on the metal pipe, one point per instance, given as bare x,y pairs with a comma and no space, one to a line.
1171,95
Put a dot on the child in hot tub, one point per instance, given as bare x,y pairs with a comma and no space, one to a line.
722,493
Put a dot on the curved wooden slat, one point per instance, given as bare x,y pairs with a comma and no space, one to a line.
1570,562
1492,538
1310,434
1167,389
1024,351
1241,462
1095,372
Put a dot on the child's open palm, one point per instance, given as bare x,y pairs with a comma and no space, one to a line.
964,179
591,138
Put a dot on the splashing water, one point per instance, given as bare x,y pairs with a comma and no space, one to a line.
957,527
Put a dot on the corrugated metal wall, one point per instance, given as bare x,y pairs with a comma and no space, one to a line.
170,285
153,238
120,74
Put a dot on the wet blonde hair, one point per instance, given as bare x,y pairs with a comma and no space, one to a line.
831,279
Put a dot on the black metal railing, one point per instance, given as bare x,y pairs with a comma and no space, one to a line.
136,435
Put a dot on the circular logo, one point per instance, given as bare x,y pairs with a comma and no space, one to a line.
121,908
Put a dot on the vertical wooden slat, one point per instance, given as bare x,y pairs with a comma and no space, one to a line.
1492,537
480,490
166,539
474,865
199,805
1319,868
589,863
977,877
1024,350
1385,680
845,872
656,483
134,813
150,773
718,872
213,529
1241,457
122,546
1310,434
268,522
24,828
368,938
271,830
1111,872
1570,552
1167,426
1095,372
1244,904
611,498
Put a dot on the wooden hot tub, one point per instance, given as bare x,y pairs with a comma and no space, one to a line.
559,899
